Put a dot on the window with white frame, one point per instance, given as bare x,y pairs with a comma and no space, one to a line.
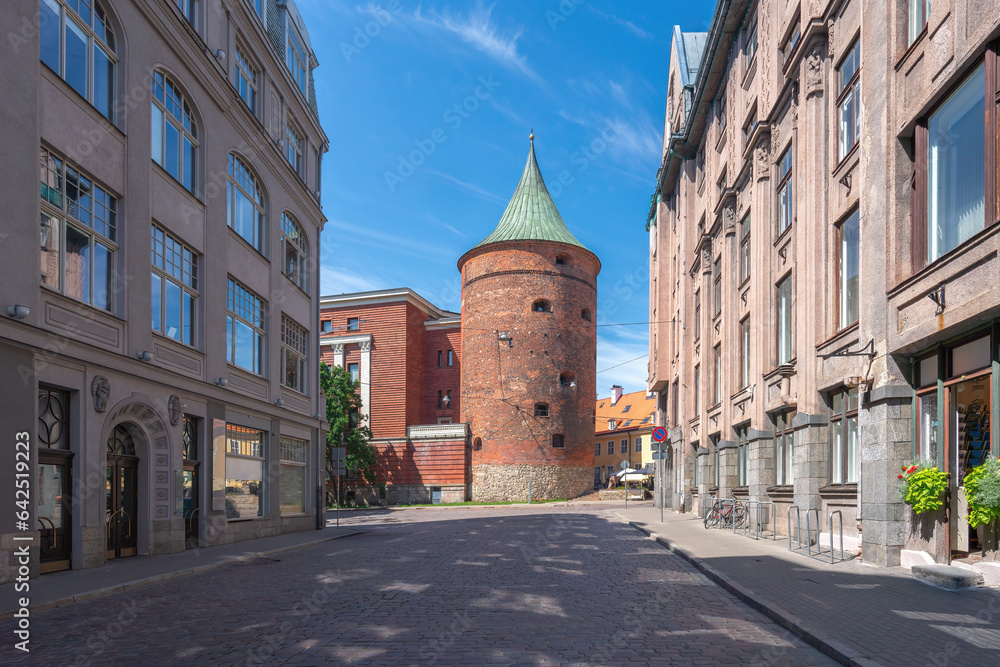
844,446
624,446
957,136
246,80
916,19
849,101
245,203
189,8
597,449
718,384
245,497
637,446
849,251
293,454
174,141
258,7
697,315
78,43
785,191
354,370
742,449
745,249
294,352
294,251
717,285
611,447
245,329
745,352
784,446
295,57
79,231
174,282
294,148
784,329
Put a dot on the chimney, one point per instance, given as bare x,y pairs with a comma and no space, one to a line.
616,394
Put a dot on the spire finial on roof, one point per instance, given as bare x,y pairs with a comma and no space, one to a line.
532,135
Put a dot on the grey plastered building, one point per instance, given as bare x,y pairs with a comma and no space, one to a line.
824,273
159,329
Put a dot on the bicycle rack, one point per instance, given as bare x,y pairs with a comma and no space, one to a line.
798,528
756,508
819,548
809,532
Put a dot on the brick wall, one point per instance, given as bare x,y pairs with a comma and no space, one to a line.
501,384
427,463
443,378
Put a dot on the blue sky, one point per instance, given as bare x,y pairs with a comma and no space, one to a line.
428,107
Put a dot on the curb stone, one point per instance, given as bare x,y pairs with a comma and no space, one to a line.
824,644
167,576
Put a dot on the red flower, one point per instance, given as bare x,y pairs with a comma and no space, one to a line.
912,469
899,476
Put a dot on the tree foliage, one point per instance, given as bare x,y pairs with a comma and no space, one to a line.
343,401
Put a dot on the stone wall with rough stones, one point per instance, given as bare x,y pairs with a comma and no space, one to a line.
499,483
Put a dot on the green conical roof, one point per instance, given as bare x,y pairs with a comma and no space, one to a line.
531,214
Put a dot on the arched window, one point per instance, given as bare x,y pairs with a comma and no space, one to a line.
567,379
120,442
557,440
478,444
541,409
294,251
541,306
245,209
585,314
78,43
174,140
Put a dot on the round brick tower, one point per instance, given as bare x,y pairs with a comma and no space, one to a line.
529,348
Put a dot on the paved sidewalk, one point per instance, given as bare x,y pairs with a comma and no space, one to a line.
62,588
855,613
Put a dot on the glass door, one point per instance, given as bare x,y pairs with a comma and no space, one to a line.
54,510
122,495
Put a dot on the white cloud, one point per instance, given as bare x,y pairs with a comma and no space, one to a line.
628,25
468,187
340,280
479,30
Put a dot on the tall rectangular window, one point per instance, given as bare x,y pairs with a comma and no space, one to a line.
849,249
713,441
246,80
916,19
637,446
611,447
354,371
597,449
174,283
245,329
717,277
294,352
849,101
295,58
439,358
174,132
745,352
956,167
742,451
722,121
717,385
784,448
292,475
451,357
745,249
785,192
697,390
245,204
784,329
844,437
245,497
750,43
294,148
624,446
697,315
78,233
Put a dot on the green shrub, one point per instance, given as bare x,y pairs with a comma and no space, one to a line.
923,487
982,491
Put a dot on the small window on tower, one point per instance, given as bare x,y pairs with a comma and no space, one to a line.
567,380
478,444
562,259
557,440
541,409
585,314
541,306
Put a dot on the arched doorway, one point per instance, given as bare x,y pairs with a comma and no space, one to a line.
122,494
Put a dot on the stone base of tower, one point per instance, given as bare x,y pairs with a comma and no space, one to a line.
509,483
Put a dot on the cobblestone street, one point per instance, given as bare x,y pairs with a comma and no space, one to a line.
531,586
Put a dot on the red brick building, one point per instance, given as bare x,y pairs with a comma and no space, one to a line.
529,292
406,353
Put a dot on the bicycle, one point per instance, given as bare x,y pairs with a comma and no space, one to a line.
726,512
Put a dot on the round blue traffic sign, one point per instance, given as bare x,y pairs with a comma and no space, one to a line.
659,434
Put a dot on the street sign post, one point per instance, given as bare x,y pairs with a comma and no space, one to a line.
338,461
659,434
